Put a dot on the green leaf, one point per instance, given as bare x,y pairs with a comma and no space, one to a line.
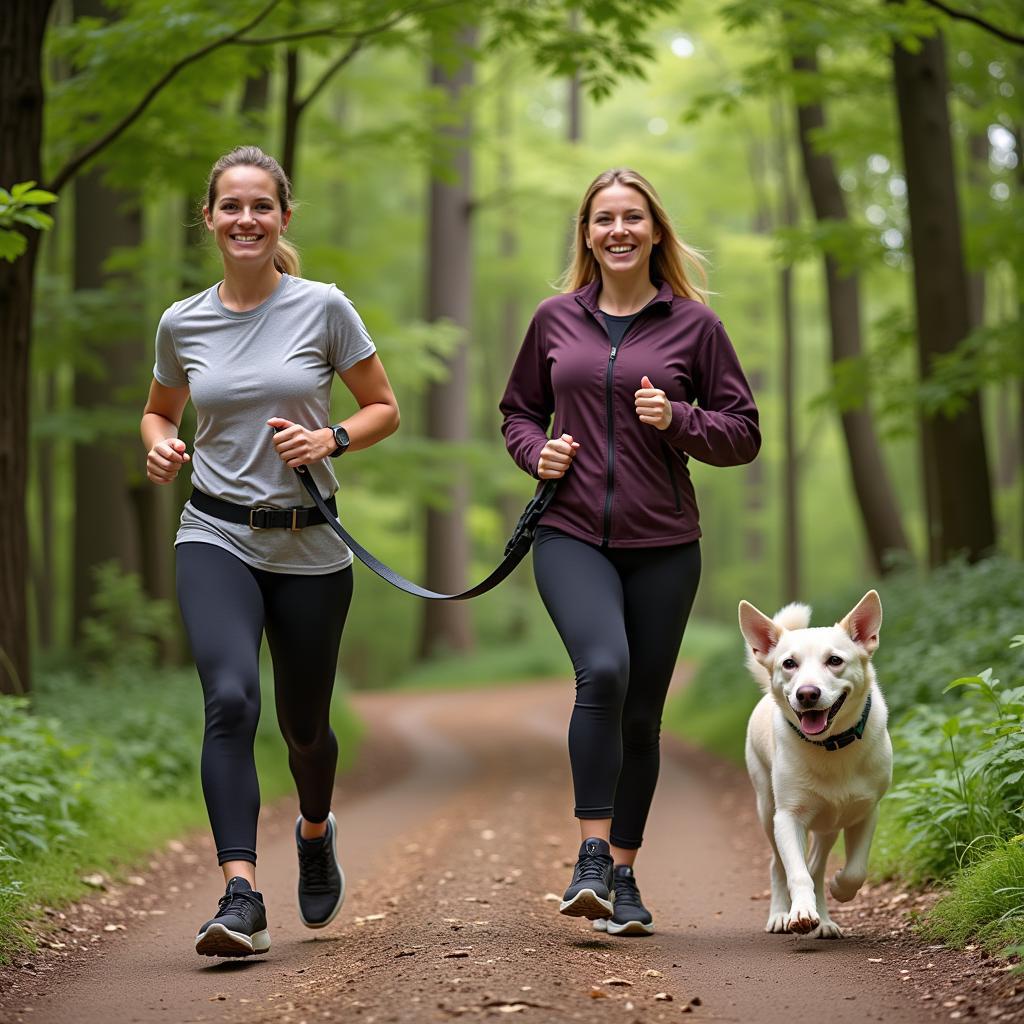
17,191
972,681
12,244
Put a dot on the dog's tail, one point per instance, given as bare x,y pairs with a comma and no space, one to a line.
793,616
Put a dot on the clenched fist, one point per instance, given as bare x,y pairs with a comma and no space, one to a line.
652,405
556,457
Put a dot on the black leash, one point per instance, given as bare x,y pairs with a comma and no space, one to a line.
515,550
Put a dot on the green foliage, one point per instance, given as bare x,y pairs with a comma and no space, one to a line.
45,782
21,205
961,776
123,634
985,901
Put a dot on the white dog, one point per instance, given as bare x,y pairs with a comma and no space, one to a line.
818,754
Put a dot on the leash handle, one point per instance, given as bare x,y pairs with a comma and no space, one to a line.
515,551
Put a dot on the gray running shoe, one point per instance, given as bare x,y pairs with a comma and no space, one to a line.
240,927
589,893
629,916
321,880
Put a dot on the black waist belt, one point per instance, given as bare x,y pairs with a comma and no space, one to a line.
261,517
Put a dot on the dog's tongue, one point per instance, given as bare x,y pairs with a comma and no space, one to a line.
813,722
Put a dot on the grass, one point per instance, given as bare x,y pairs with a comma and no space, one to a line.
985,902
141,789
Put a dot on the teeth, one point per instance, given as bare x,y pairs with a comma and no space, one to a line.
245,238
620,248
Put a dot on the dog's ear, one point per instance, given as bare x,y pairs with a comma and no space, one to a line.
758,630
864,622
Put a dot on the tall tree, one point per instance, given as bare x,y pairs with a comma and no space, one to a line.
960,517
21,131
871,482
447,625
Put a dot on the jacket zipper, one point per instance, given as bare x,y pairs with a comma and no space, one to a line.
610,467
667,456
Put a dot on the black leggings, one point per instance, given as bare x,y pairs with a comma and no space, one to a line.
226,605
621,613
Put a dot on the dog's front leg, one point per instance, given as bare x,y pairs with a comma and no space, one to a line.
857,839
791,840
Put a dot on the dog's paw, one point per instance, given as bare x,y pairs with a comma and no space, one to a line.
777,923
802,920
843,888
827,930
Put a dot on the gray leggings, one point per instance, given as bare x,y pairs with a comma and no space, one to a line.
621,613
227,606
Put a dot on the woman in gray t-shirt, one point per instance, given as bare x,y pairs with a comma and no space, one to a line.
257,354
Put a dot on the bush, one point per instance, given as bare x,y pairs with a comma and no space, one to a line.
125,631
44,782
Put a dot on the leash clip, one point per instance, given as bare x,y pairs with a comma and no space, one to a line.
535,508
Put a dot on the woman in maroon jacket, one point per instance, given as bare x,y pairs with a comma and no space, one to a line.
638,375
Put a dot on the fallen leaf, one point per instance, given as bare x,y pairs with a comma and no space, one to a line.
616,981
95,880
597,993
113,928
551,897
651,973
456,954
405,952
665,997
875,960
510,1008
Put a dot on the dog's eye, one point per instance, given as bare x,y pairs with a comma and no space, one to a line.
834,661
789,664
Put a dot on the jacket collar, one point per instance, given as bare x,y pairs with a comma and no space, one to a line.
587,296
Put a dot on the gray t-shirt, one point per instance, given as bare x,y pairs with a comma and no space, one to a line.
242,369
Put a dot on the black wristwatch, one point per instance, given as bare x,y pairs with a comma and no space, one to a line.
341,439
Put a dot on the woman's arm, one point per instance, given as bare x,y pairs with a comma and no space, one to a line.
161,417
528,404
722,429
377,418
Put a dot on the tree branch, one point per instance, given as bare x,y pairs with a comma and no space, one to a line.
1009,37
75,164
358,41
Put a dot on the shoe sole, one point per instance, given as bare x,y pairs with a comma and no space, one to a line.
341,896
220,941
586,903
629,928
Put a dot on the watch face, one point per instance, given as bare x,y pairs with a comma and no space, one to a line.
341,437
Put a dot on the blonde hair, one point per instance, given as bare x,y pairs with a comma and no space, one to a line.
672,260
286,256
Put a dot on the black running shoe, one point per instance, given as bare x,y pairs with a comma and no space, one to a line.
240,927
321,880
589,894
629,916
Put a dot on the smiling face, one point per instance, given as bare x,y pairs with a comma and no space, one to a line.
620,230
246,217
814,671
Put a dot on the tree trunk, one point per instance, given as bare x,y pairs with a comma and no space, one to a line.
21,128
104,524
961,518
446,624
290,118
788,216
871,483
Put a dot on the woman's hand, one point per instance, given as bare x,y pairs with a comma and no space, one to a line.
165,460
652,405
296,446
556,457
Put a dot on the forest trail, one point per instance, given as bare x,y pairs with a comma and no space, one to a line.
453,831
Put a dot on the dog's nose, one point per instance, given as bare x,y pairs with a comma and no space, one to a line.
807,696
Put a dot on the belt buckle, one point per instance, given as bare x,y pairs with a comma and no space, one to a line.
259,508
294,528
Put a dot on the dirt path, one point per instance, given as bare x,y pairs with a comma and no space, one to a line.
452,836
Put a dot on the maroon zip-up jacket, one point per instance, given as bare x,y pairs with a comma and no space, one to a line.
629,485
